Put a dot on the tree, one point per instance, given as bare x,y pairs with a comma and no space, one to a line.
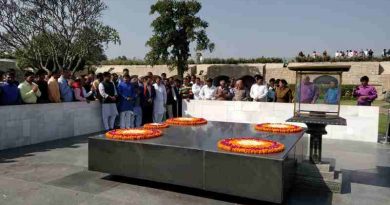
56,34
175,27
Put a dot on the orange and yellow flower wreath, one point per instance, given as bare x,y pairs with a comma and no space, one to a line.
133,134
250,145
156,126
186,121
278,127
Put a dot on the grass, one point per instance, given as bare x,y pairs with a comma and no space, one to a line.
382,123
353,102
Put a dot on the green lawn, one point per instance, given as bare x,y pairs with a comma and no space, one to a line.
382,123
353,102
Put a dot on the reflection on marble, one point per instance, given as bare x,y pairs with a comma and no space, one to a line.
205,137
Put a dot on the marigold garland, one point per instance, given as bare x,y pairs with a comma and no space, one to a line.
156,126
133,134
186,121
278,127
250,145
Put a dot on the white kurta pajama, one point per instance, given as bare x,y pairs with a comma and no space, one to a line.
259,93
109,110
159,103
196,90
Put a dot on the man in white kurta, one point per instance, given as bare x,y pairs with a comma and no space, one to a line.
259,91
196,89
208,91
160,101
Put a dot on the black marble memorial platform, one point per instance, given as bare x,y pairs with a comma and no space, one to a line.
189,156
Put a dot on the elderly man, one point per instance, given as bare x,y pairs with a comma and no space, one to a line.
29,91
308,91
160,100
365,93
258,90
208,91
223,92
109,97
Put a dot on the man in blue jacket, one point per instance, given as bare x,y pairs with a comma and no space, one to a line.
126,102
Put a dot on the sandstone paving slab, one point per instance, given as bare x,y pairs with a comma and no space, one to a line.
363,194
38,172
56,173
85,181
19,192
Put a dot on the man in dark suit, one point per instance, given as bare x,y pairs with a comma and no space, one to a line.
147,100
177,99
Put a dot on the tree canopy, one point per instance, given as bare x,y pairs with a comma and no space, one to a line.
58,34
175,27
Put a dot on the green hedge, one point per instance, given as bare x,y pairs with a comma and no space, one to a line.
240,60
346,91
125,61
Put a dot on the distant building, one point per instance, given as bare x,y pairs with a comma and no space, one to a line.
6,64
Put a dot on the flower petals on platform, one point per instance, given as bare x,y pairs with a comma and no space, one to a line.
186,121
133,134
278,127
250,145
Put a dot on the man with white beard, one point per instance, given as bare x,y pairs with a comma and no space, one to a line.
160,101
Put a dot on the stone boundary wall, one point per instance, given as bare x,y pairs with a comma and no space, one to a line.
378,72
31,124
362,121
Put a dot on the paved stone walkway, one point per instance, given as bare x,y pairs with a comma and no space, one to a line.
56,173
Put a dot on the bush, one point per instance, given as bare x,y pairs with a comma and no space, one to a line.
346,91
124,61
240,60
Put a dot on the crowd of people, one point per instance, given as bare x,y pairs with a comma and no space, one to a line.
367,53
130,101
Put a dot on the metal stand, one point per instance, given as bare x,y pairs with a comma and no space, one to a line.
316,131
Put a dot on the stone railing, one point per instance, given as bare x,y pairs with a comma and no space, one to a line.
362,121
31,124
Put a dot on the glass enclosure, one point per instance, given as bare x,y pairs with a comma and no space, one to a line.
317,93
318,90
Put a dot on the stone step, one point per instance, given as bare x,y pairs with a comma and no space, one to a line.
315,183
316,174
324,167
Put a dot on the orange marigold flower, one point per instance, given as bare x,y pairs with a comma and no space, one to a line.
156,126
250,145
186,121
133,134
278,127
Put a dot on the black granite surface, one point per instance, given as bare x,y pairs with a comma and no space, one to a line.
205,137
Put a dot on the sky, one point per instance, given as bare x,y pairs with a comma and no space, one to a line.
271,28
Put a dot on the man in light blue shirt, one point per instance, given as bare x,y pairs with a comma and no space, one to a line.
332,94
65,89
